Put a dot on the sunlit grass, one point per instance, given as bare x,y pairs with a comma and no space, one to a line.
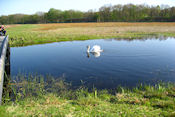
21,35
35,96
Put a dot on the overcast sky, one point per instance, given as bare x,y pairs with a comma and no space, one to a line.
32,6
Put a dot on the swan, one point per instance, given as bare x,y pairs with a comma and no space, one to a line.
94,49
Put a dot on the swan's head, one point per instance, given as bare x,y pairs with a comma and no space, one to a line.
88,48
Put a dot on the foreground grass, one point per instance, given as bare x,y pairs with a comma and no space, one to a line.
36,97
28,34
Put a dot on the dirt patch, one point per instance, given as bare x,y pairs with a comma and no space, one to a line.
123,26
9,26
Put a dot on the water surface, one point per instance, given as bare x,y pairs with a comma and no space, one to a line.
123,62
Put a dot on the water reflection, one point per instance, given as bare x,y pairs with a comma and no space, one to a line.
158,37
95,54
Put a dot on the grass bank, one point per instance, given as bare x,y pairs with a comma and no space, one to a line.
28,34
36,96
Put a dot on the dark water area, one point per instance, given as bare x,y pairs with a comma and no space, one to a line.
123,62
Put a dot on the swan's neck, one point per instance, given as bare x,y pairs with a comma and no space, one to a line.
88,48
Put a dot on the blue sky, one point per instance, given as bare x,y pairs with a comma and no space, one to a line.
32,6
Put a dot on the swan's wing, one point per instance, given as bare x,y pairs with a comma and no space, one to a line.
96,48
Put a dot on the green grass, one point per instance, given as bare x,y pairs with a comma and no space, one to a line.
29,34
54,97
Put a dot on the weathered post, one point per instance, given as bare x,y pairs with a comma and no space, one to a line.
4,57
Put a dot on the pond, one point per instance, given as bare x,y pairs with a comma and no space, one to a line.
123,62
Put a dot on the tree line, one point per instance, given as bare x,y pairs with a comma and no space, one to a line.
107,13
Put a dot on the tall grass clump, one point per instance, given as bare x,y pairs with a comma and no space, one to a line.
23,86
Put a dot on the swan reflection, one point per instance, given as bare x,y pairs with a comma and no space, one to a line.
95,54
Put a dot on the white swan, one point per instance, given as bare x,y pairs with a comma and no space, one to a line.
94,49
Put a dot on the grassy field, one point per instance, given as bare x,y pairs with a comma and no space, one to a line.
28,34
39,98
33,96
